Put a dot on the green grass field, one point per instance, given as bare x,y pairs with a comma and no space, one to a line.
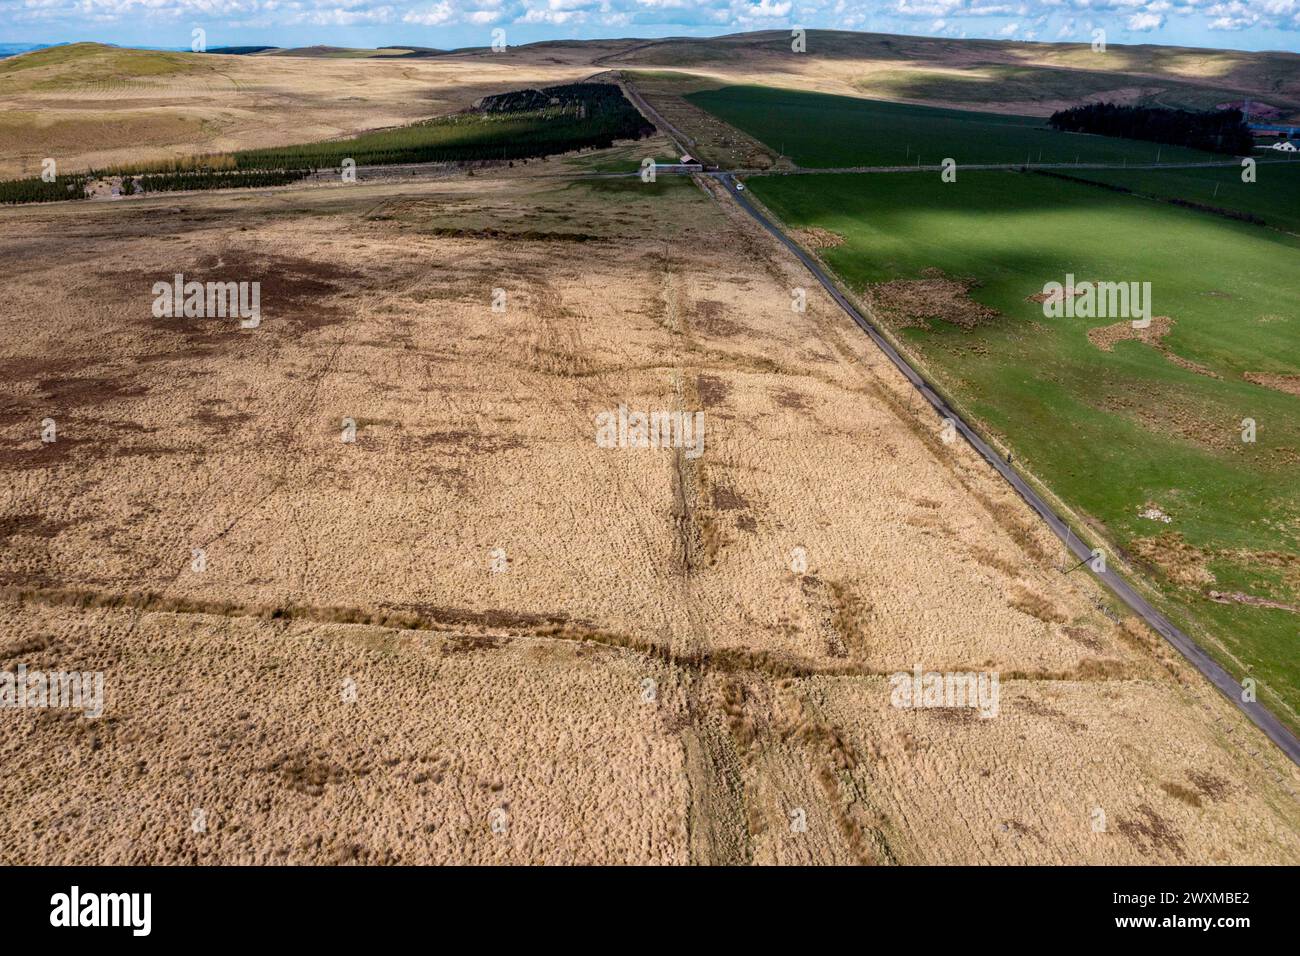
1113,433
1273,197
819,130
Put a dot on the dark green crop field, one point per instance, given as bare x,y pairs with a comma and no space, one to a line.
1274,196
820,130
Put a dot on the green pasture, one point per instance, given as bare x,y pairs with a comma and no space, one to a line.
820,130
1111,432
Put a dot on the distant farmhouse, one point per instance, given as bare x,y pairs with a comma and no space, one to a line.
687,164
1265,122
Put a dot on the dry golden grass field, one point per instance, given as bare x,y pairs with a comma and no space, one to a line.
92,106
999,76
475,635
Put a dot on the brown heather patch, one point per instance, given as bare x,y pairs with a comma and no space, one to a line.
1290,384
33,454
1237,597
1020,830
1172,418
1082,636
1208,785
1024,597
455,441
309,772
742,725
226,423
1179,561
95,391
907,303
1283,560
708,317
835,760
527,235
1179,792
1103,668
35,644
30,525
469,643
790,398
816,237
406,617
713,391
991,559
728,499
1105,337
1189,364
293,289
1040,709
1151,832
850,617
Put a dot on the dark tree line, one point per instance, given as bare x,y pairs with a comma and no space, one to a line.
1215,131
74,187
38,190
210,179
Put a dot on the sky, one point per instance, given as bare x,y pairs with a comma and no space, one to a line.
447,24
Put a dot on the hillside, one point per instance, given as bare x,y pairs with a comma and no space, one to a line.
1004,76
89,104
63,68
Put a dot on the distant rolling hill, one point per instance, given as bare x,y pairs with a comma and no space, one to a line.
999,75
1005,76
350,53
13,49
96,104
91,105
241,50
73,65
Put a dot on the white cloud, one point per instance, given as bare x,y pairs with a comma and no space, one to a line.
1145,22
747,12
1056,19
432,16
